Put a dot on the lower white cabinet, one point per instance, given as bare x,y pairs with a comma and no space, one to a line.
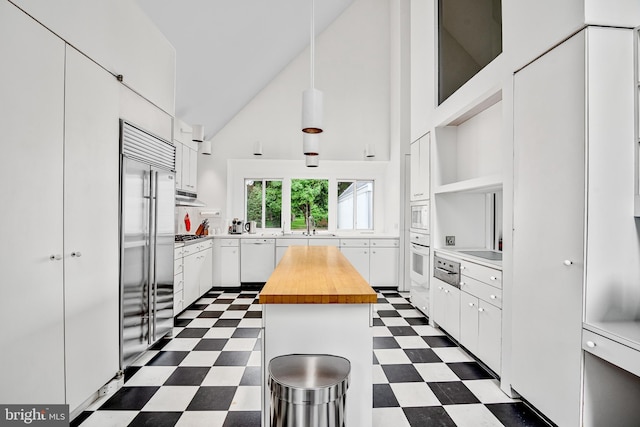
359,258
383,262
490,335
178,281
283,244
446,307
198,270
226,262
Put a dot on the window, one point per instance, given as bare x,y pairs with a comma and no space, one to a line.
355,205
469,37
263,202
309,197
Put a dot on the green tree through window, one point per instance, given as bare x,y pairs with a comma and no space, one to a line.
309,197
264,202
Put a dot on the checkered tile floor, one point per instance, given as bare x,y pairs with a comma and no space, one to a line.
208,374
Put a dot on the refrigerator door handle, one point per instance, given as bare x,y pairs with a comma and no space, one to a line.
151,295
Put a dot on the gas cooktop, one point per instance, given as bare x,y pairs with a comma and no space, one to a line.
187,237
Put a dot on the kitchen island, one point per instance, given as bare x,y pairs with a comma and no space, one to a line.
315,302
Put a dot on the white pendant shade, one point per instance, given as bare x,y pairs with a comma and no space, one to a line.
257,148
205,147
312,161
197,133
370,151
311,144
312,111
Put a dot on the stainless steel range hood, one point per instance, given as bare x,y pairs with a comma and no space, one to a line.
184,198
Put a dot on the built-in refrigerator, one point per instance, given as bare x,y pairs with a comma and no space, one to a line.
147,202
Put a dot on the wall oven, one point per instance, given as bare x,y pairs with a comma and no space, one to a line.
420,217
419,270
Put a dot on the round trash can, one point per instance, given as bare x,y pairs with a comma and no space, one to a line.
308,390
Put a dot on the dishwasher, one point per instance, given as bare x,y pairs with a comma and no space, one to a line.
257,260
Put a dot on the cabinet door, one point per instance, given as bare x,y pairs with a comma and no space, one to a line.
548,221
186,167
439,301
452,311
230,266
178,165
193,170
425,172
359,258
91,227
489,335
191,273
469,322
383,269
415,170
31,169
206,272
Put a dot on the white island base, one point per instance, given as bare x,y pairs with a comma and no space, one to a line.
337,329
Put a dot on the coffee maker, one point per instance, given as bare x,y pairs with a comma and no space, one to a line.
237,226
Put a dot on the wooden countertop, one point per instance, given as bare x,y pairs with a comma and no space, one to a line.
316,275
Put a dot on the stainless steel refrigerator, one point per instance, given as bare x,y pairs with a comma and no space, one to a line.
147,203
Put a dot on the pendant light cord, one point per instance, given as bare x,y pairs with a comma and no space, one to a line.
312,44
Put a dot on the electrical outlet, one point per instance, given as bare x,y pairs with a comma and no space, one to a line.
450,240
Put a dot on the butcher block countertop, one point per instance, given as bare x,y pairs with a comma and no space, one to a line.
316,275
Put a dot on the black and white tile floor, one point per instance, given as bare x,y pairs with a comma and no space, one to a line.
208,374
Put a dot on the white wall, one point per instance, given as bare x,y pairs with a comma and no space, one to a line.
117,35
353,69
333,170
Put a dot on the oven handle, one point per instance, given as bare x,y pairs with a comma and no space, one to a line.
445,271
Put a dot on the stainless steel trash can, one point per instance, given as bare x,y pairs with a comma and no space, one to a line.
308,390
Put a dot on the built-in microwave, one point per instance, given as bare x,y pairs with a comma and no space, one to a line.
420,217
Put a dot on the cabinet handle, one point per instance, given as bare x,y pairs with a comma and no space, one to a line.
446,291
471,304
373,252
462,283
76,254
481,309
591,344
462,267
440,287
493,278
493,297
568,262
56,257
365,252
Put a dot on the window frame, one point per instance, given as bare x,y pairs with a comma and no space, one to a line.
355,204
263,209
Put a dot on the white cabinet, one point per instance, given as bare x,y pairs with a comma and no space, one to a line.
548,221
226,263
383,262
283,244
324,241
357,252
257,259
178,281
91,262
198,270
186,157
63,256
178,164
420,171
446,307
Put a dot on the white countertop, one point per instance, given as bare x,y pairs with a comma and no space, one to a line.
456,253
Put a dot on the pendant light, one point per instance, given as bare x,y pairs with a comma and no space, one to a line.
257,148
312,97
311,144
312,161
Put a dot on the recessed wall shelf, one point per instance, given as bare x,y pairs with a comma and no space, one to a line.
484,184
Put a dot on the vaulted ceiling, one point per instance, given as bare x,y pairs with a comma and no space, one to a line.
228,51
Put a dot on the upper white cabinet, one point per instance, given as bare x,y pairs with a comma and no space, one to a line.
573,181
186,157
420,171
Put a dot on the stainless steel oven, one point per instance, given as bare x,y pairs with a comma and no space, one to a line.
420,217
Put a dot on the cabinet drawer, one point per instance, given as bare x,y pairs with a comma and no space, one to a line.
197,247
419,238
178,252
481,273
385,243
354,243
611,351
323,241
229,242
178,282
283,243
482,291
177,266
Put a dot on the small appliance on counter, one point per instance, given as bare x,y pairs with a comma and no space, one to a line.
237,226
250,227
